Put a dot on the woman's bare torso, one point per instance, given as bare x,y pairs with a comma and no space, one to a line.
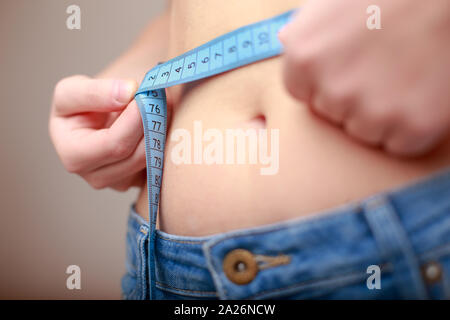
319,166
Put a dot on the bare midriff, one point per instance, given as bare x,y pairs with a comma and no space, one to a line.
319,166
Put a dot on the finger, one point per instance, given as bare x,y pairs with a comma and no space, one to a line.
297,76
137,180
369,125
411,139
80,94
298,57
119,173
333,109
90,149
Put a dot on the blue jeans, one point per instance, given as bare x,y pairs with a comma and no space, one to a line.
394,245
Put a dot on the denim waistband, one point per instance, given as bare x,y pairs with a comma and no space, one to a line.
400,231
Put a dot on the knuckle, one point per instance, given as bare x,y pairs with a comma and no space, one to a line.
96,182
420,127
300,59
353,128
380,116
298,65
59,91
401,148
333,104
415,138
72,166
293,88
141,159
121,149
336,97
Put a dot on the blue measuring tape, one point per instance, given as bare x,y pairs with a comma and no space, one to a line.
240,47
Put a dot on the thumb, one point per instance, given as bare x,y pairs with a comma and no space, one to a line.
79,94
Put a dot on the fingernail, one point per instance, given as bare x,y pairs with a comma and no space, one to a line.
125,90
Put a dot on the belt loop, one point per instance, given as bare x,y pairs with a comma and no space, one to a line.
393,242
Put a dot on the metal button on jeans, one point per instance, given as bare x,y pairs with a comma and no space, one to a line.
240,266
432,272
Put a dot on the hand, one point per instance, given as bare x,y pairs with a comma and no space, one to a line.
96,128
387,87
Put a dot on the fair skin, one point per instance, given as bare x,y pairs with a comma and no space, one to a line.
319,166
95,124
385,87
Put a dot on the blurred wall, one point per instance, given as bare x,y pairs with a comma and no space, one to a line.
50,219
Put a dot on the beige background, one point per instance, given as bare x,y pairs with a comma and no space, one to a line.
51,219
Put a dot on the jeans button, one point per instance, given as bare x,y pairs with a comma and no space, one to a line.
240,266
432,272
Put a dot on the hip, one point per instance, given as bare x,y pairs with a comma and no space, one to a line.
392,245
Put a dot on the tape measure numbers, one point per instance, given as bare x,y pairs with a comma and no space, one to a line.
240,47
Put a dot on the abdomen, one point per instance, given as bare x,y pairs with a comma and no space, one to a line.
318,166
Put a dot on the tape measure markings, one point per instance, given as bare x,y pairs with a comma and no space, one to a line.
240,47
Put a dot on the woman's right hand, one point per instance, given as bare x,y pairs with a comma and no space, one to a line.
96,128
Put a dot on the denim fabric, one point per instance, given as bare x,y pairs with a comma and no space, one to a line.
401,231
